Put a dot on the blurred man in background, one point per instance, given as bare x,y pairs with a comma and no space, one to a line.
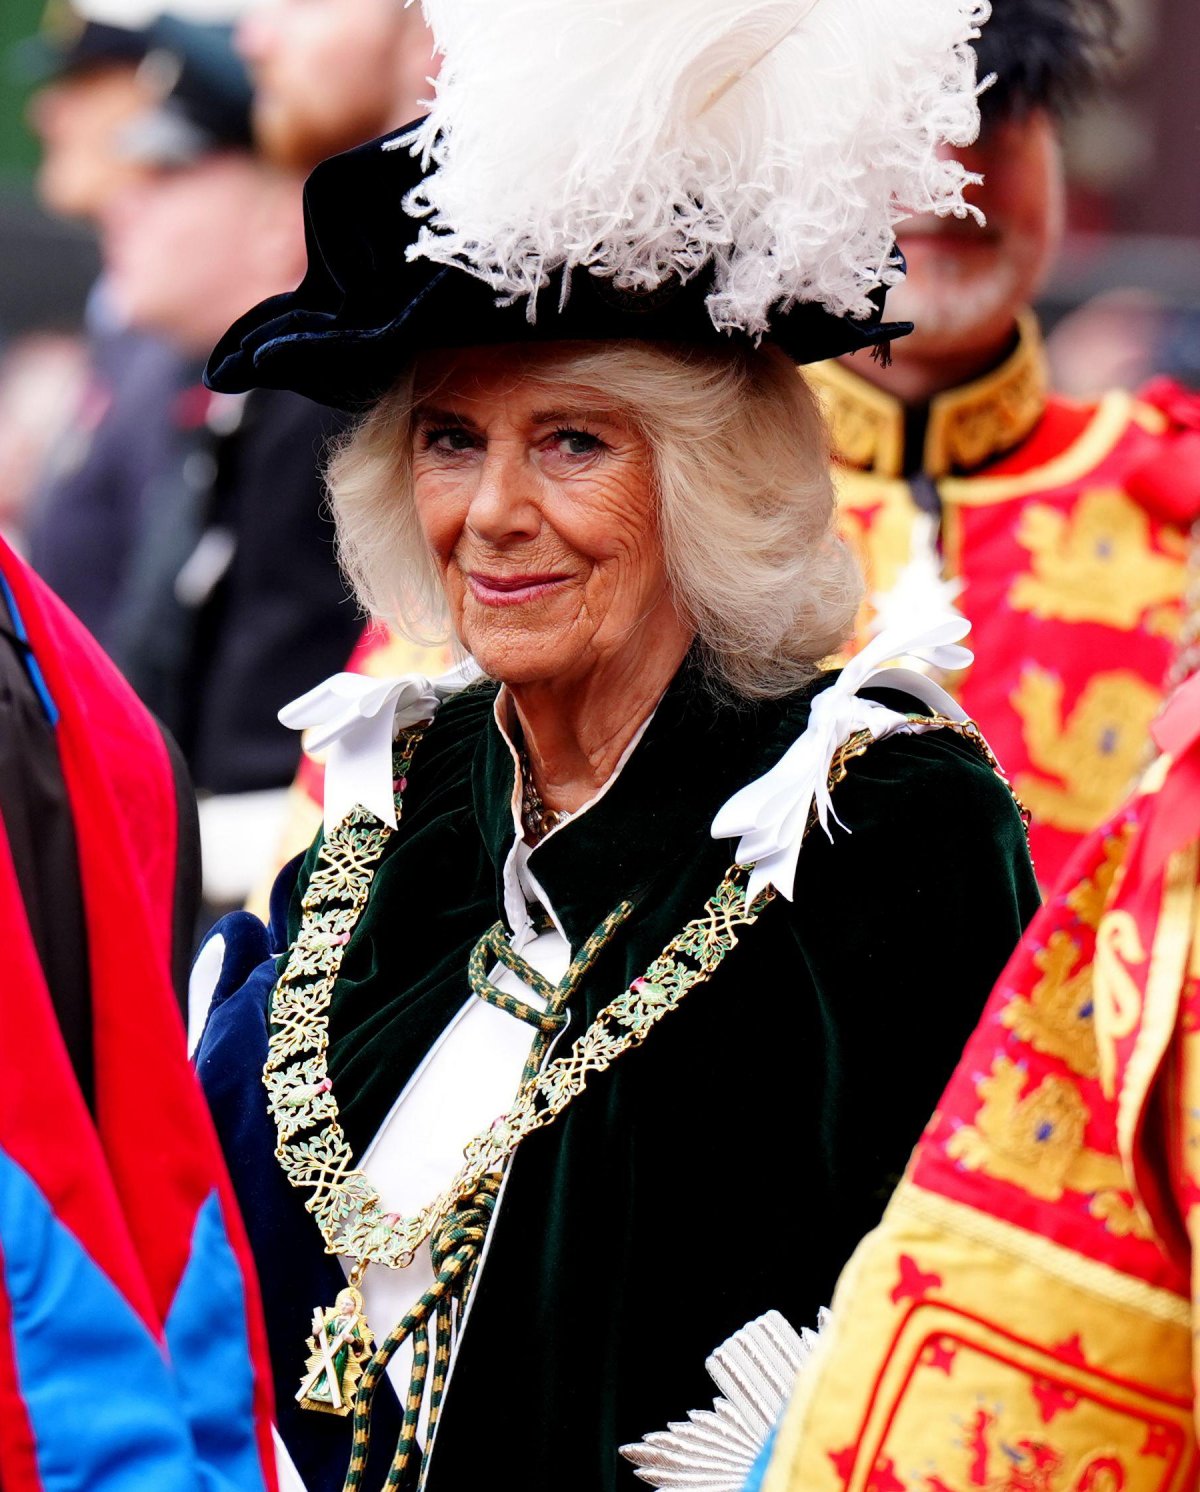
109,1242
118,438
1058,528
329,74
88,89
234,603
43,375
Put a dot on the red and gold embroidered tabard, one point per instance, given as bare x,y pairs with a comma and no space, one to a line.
1025,1317
1071,551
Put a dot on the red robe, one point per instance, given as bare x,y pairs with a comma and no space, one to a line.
1025,1317
1066,525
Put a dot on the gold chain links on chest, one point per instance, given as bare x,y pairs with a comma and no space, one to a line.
312,1147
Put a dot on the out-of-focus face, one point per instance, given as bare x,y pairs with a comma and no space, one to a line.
537,505
329,74
78,121
186,251
965,283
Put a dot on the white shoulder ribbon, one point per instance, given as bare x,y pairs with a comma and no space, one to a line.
768,817
353,719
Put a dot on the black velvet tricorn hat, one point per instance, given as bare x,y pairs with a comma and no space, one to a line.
363,309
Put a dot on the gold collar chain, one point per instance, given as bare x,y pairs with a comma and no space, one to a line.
344,1367
312,1147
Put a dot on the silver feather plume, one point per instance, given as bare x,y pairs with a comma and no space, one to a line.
715,1449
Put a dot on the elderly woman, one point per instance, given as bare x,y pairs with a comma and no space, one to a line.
569,1049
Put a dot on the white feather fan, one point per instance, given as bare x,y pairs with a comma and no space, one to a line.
783,139
715,1450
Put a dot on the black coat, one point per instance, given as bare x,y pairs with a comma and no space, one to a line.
236,604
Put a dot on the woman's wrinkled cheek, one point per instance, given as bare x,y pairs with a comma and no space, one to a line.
440,513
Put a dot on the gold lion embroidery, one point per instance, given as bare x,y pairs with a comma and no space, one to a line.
1035,1142
1120,1217
1089,898
876,519
1055,1018
1094,753
1095,564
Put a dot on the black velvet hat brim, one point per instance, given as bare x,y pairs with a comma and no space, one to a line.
363,310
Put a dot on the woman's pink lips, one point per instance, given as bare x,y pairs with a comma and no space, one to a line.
511,590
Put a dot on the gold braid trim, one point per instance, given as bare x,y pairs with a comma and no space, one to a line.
969,731
856,745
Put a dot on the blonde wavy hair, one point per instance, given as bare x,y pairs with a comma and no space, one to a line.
741,478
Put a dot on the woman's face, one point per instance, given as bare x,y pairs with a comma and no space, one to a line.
536,503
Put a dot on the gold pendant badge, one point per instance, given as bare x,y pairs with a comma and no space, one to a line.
338,1349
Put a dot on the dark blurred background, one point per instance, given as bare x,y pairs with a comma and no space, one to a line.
1133,252
46,266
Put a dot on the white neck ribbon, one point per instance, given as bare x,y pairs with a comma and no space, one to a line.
352,720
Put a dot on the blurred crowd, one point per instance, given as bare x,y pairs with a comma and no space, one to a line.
187,529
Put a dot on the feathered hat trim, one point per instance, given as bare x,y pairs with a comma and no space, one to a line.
778,143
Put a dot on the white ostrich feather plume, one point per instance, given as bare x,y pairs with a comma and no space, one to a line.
716,1448
640,139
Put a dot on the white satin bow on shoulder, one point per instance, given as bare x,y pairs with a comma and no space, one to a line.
768,817
353,719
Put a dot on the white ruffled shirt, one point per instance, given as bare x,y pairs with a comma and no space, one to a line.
468,1078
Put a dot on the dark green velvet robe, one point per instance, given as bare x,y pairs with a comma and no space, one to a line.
731,1163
